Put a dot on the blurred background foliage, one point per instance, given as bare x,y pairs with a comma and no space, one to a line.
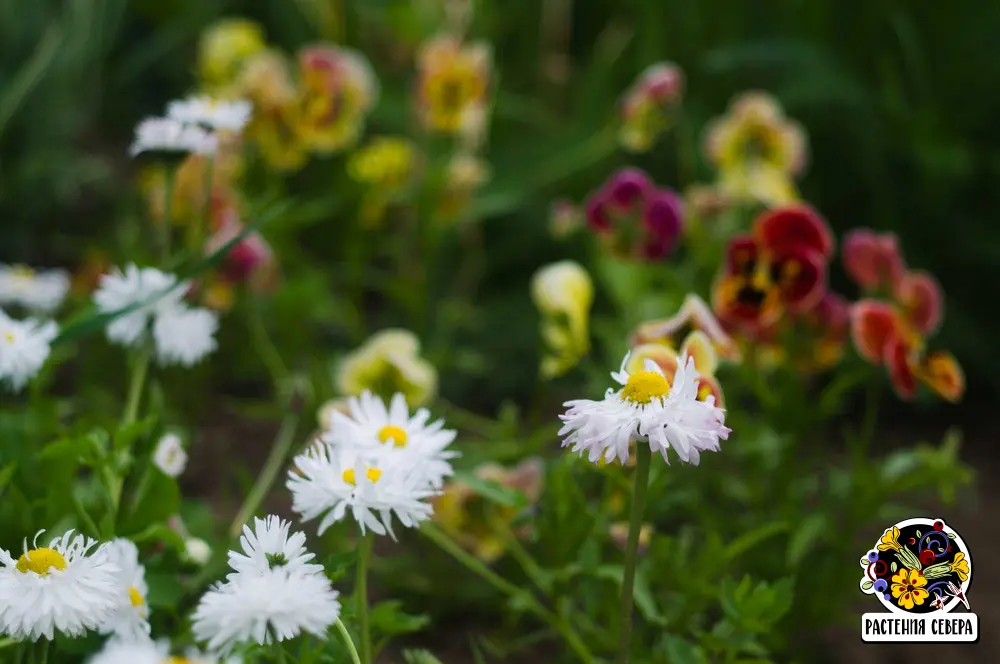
895,97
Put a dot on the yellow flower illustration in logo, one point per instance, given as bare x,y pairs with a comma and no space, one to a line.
890,540
960,566
908,587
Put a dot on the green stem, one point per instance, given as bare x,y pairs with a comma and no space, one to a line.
631,551
265,347
275,461
200,227
280,649
136,384
346,636
476,566
167,229
361,596
43,648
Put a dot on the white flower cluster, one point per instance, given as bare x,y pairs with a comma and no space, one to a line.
24,344
151,299
274,592
190,126
376,462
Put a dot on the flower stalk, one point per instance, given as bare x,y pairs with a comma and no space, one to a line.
643,454
361,596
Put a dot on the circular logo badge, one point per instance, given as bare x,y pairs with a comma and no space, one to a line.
918,566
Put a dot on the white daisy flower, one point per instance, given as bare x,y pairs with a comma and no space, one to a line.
382,433
329,480
149,290
215,114
24,347
139,651
170,135
145,651
169,455
268,545
647,408
182,335
38,291
273,594
131,621
185,336
67,586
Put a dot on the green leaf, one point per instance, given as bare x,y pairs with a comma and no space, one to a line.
643,596
160,532
6,474
747,541
867,585
680,651
809,532
493,491
128,434
893,566
164,591
388,619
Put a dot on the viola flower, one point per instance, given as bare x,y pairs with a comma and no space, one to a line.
131,620
464,175
169,135
894,334
757,150
619,535
634,217
386,167
472,520
73,584
250,261
266,80
272,595
24,348
647,409
649,106
565,219
378,433
696,346
38,291
215,114
706,202
908,588
225,46
829,326
452,86
339,89
873,261
694,315
328,481
563,293
387,363
781,266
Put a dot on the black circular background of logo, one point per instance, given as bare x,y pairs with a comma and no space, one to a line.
927,539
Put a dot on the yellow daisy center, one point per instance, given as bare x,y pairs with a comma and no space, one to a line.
135,597
644,386
372,474
9,337
395,434
22,272
40,561
177,660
